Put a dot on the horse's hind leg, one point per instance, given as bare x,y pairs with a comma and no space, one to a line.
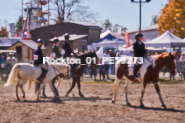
70,84
53,88
73,85
127,82
21,86
142,94
156,85
116,85
79,90
17,87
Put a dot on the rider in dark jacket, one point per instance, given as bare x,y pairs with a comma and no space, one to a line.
66,46
139,51
68,53
38,60
55,51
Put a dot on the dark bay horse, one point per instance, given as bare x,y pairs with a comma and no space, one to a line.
149,73
81,68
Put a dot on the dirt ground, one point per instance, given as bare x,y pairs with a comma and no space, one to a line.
96,107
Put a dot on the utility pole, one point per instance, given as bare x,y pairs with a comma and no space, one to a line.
22,19
140,3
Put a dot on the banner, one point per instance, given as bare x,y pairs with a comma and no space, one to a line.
12,29
126,35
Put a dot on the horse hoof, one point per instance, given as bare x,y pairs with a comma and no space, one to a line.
164,106
142,106
113,102
128,104
66,95
82,96
44,96
18,99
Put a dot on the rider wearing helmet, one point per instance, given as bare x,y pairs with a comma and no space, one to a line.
67,51
66,46
139,51
38,60
55,51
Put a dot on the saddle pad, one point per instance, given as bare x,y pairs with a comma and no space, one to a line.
35,57
2,65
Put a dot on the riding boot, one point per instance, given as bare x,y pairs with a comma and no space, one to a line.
73,72
42,76
135,72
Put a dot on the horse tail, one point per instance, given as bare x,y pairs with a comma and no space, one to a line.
29,85
13,75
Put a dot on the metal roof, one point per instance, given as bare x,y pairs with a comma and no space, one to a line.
81,23
145,28
8,41
72,37
30,43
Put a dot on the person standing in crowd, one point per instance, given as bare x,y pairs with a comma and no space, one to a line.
55,51
106,63
182,64
38,60
101,70
139,51
113,55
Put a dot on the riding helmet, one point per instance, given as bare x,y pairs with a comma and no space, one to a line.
138,35
66,36
40,41
56,40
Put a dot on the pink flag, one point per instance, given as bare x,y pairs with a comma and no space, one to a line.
126,35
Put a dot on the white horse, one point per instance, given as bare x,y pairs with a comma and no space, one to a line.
23,72
149,72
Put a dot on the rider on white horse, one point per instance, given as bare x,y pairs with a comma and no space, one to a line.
139,51
38,60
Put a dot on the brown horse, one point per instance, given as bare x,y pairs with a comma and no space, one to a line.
149,72
80,70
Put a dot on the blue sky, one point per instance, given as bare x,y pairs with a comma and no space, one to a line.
121,12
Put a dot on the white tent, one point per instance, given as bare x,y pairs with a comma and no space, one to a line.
166,40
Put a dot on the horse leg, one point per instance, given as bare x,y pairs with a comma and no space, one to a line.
142,94
17,87
55,91
79,90
156,85
43,92
73,85
21,86
116,85
69,82
38,92
127,82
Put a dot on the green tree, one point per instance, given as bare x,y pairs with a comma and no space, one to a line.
19,25
154,19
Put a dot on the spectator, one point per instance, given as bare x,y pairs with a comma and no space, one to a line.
113,54
182,61
106,63
101,69
92,72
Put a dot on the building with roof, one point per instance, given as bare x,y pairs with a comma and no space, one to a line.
25,49
72,27
6,42
76,41
149,33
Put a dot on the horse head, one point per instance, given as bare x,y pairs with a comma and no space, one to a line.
169,61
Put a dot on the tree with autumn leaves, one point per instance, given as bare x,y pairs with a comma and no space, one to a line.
3,32
173,18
